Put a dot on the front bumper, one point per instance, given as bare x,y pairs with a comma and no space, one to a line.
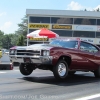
33,59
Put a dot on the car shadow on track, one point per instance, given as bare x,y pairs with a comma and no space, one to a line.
70,80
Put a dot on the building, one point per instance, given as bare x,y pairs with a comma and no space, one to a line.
84,25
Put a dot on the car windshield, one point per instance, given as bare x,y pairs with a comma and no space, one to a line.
65,44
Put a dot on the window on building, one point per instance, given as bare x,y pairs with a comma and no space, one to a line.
97,34
31,30
57,20
84,34
39,19
63,33
83,21
98,21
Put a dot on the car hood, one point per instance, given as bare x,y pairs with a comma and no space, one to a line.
39,47
19,47
34,47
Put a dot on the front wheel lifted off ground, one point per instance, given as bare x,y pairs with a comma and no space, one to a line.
60,71
26,69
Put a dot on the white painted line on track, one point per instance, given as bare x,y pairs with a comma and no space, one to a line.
2,72
16,70
89,97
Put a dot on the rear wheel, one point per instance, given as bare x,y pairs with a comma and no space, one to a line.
60,71
26,69
97,72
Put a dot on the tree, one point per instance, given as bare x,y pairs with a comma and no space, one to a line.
97,9
6,41
14,38
23,26
20,41
1,37
17,38
9,40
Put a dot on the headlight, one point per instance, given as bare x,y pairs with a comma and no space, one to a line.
12,52
46,53
15,51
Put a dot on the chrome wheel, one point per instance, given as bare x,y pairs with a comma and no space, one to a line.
61,69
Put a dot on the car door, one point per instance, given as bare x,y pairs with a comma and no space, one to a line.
87,56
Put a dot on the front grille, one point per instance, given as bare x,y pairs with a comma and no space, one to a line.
28,52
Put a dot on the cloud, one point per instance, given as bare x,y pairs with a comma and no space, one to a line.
97,7
2,14
6,26
76,6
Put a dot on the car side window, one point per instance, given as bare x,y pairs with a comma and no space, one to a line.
70,44
88,47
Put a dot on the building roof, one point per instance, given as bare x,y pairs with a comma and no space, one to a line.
64,13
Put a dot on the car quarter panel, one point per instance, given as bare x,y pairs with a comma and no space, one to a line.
87,60
97,57
87,52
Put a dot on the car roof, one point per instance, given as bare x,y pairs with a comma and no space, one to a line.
73,39
67,39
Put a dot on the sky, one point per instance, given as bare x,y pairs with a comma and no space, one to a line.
12,11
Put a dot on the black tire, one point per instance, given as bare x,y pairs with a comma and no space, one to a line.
57,70
97,73
26,69
71,72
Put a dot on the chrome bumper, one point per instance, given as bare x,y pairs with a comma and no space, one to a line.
33,59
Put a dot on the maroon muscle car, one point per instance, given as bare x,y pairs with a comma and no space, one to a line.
62,57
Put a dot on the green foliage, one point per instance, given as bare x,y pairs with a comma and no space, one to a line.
20,41
1,37
22,30
17,38
14,39
6,41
